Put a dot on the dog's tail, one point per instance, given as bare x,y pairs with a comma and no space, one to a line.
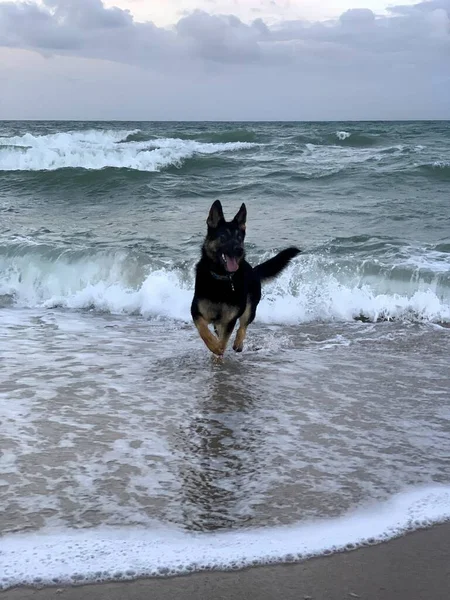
272,267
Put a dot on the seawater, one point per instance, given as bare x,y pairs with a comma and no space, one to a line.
126,450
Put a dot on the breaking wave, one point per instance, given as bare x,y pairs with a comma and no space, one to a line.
137,152
314,288
99,149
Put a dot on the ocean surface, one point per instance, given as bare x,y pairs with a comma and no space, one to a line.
125,448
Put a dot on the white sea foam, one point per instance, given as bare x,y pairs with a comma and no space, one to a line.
431,260
320,161
68,138
118,554
94,149
305,292
342,135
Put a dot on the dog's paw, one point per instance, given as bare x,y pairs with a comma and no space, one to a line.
217,349
238,347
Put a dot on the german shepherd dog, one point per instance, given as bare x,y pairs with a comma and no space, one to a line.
227,287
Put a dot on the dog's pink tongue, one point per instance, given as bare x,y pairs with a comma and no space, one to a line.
232,264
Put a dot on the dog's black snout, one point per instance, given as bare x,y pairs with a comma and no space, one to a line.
233,249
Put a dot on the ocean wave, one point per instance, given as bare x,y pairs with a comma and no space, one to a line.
340,138
318,160
356,139
115,554
313,289
443,248
436,170
207,135
95,149
136,135
236,135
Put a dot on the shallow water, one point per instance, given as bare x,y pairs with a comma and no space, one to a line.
126,421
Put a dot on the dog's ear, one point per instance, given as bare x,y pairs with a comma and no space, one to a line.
215,216
241,217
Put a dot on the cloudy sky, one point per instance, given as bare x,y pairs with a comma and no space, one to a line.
224,59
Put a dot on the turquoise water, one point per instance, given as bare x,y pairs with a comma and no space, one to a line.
367,202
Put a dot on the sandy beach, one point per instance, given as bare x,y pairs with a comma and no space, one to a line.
413,567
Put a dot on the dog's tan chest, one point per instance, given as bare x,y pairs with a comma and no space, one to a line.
217,312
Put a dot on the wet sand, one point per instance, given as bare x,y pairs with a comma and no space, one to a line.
414,567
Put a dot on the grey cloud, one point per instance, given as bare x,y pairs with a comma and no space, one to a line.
427,6
23,25
358,16
87,28
89,14
84,28
221,38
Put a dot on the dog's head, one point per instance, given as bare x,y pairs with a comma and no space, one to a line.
224,242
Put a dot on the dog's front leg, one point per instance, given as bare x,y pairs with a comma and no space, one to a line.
214,344
224,331
244,322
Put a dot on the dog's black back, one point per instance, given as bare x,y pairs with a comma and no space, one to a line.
227,287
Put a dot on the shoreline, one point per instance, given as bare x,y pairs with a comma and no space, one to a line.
415,566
